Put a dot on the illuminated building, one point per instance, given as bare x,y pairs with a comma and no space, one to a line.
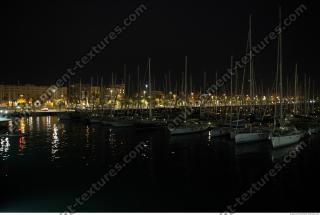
12,95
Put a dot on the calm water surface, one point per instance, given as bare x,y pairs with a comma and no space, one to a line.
51,163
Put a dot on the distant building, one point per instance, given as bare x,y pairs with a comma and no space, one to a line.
12,95
86,94
156,94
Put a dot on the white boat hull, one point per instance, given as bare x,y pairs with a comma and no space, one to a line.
279,141
250,137
187,130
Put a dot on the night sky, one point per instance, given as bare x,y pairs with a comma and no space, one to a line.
43,39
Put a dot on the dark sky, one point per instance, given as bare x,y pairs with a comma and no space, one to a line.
42,39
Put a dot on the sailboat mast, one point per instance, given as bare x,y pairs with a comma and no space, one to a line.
185,88
80,91
216,93
231,66
295,89
90,100
129,86
169,80
138,70
280,66
204,81
111,91
190,83
250,63
305,94
150,106
313,101
124,74
309,84
101,92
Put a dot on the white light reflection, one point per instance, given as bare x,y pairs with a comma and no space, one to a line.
48,123
209,137
38,123
30,123
87,134
4,148
55,141
147,152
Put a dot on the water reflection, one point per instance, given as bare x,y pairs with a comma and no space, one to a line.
279,153
55,142
252,148
87,134
38,123
47,122
187,168
30,123
22,126
209,137
4,148
21,143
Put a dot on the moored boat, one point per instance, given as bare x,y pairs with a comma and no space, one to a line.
285,136
117,122
189,128
251,135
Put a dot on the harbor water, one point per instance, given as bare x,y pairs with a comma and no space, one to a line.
50,163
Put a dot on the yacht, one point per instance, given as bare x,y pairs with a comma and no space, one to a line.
283,134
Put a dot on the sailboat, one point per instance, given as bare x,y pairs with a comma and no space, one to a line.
224,129
188,127
111,119
283,135
307,123
250,134
150,122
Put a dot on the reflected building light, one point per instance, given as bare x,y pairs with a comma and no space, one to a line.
48,123
21,142
22,126
30,123
38,123
48,119
87,134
